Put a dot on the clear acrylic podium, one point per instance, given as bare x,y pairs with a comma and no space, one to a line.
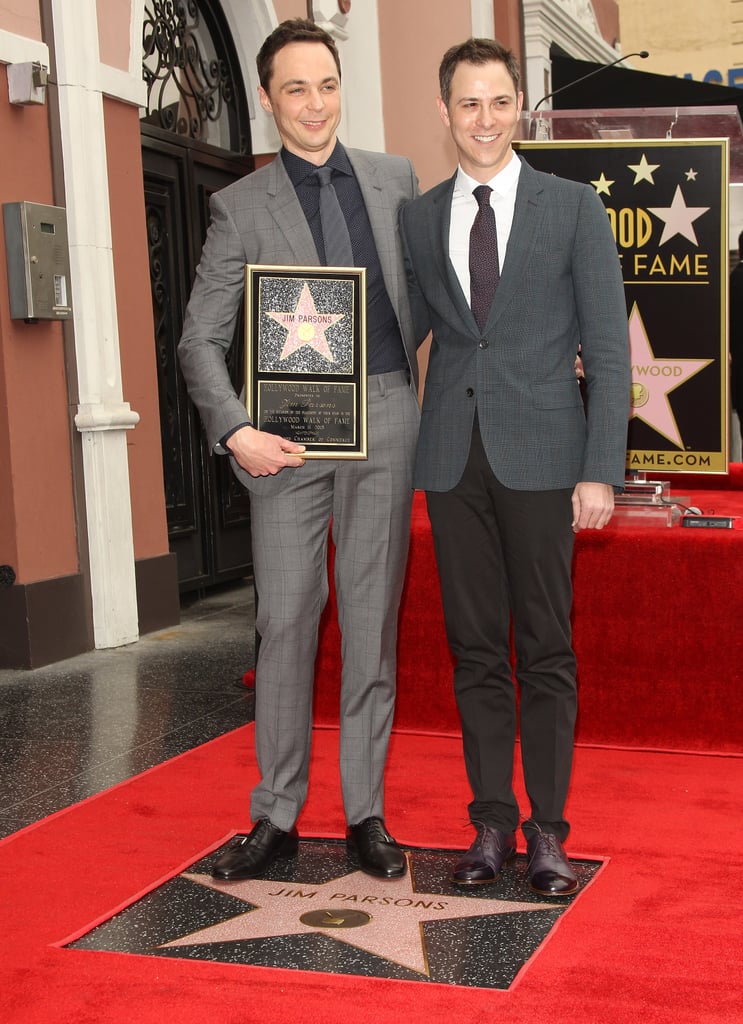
641,123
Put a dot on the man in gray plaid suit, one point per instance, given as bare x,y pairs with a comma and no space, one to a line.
511,462
272,217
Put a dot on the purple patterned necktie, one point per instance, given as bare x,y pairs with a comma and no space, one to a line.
484,270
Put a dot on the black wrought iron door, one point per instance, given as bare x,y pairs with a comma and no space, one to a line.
208,511
195,140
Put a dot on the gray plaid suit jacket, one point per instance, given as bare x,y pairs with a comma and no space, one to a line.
560,288
259,220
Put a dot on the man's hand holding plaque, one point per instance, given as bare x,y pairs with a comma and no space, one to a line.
263,454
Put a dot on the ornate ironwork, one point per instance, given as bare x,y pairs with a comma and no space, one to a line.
192,89
178,490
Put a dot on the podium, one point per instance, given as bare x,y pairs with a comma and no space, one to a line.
645,123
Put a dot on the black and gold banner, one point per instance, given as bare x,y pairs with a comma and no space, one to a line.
667,201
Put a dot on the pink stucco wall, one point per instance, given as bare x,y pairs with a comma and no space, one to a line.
21,18
114,20
412,43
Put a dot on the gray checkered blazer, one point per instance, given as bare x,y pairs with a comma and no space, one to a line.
259,220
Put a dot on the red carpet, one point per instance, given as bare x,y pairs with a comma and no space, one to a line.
656,938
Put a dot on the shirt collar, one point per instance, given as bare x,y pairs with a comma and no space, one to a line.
300,169
501,183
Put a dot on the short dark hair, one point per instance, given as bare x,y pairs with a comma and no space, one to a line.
295,30
475,51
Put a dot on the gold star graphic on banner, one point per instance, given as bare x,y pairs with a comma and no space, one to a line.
678,217
383,918
643,170
602,185
305,326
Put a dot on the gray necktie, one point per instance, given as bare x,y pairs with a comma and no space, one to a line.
337,241
484,269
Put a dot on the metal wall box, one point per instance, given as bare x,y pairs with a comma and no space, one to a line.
38,261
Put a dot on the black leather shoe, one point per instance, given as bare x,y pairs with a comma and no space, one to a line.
375,850
249,856
548,868
483,861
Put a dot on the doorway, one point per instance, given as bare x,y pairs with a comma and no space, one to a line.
195,141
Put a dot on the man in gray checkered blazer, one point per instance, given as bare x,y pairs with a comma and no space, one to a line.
511,462
272,217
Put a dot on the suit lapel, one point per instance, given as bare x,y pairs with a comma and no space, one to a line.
526,218
285,208
381,218
440,223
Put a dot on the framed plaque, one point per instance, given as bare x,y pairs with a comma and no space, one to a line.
305,357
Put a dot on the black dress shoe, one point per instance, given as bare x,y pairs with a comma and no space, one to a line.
375,850
483,861
549,870
249,856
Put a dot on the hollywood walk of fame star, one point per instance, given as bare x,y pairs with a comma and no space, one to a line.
396,912
602,185
643,170
654,379
678,217
305,326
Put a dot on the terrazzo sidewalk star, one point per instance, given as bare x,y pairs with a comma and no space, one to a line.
320,914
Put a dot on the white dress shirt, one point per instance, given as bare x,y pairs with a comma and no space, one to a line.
464,209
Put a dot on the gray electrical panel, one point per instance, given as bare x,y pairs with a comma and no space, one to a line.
38,261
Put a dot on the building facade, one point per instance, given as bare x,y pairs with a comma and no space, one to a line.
703,42
126,115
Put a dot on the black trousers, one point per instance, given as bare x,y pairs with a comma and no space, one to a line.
504,559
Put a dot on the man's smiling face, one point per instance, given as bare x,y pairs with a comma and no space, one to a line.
482,115
304,96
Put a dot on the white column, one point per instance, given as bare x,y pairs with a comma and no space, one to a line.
483,19
19,50
249,25
357,38
103,417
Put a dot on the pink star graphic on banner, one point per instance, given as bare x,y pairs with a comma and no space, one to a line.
678,217
306,326
653,380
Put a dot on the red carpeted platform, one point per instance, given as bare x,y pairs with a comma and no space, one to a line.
658,630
